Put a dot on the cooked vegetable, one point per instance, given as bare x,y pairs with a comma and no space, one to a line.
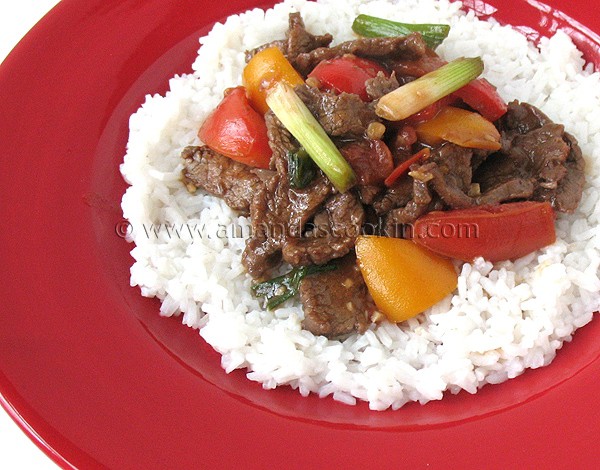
372,27
301,169
432,110
461,127
236,130
297,118
279,289
426,90
497,233
405,166
266,68
370,159
482,96
347,74
403,278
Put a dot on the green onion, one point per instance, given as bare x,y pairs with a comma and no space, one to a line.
297,118
279,289
301,169
373,27
417,95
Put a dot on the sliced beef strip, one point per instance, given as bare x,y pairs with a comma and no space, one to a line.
298,40
422,201
381,85
334,233
305,203
407,47
545,161
279,214
221,176
344,115
336,302
568,193
281,143
520,119
392,198
269,212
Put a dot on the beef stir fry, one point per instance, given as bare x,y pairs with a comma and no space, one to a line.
464,155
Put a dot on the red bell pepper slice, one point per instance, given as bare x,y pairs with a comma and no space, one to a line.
347,74
405,165
496,233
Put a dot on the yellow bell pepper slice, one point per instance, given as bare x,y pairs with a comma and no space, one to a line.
403,278
264,70
461,127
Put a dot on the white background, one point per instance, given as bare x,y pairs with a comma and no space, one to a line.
17,452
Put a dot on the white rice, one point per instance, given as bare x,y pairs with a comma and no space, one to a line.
502,319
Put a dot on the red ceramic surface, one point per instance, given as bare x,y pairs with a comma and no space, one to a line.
92,373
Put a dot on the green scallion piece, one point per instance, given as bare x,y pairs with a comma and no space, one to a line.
279,289
373,27
299,121
420,93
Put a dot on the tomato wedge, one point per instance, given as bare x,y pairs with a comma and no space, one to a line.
236,130
370,159
496,233
347,74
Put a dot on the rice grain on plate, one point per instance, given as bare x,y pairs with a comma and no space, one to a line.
502,319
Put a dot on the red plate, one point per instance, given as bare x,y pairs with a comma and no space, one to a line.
92,373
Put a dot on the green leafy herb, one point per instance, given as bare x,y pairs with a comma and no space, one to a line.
372,27
301,169
279,289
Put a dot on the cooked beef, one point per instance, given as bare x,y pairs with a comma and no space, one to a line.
336,302
344,115
279,214
298,40
305,202
268,214
513,189
397,196
381,85
281,143
568,193
220,176
368,194
421,202
449,172
418,67
520,119
334,232
408,47
538,153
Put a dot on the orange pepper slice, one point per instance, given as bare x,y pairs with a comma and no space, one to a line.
461,127
266,68
403,278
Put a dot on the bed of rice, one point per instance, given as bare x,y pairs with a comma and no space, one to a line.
502,319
